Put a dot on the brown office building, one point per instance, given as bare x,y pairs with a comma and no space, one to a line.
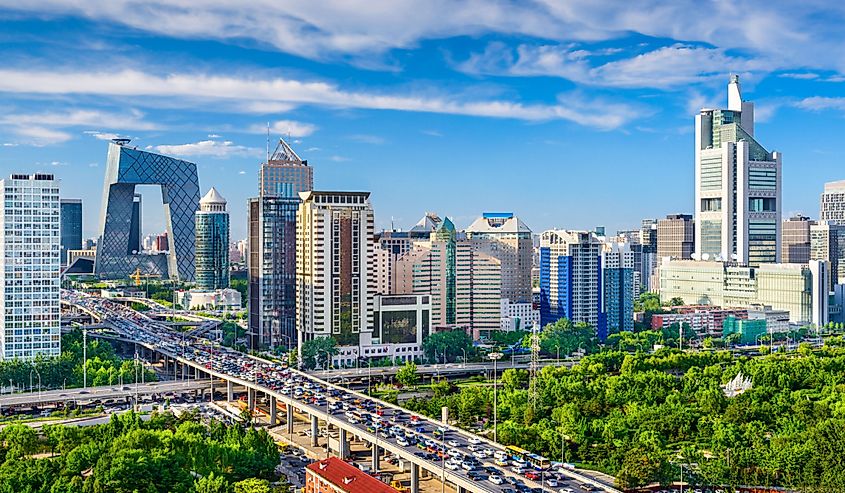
675,236
795,240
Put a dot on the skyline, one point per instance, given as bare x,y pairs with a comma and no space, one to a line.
406,107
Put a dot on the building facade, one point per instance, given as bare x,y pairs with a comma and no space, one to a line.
675,237
71,230
333,475
832,203
505,237
737,186
401,323
791,287
30,268
795,240
617,262
570,278
127,167
270,248
334,267
827,242
212,243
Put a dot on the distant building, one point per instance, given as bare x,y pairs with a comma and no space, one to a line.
797,288
135,225
737,186
71,230
518,316
795,240
832,204
827,242
617,263
505,237
570,278
705,321
401,323
212,242
30,266
333,475
217,299
162,244
675,237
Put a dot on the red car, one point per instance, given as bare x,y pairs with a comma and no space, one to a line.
532,475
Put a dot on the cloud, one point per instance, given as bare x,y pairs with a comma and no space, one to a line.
799,75
213,148
125,83
290,128
432,133
241,172
819,103
44,128
668,67
338,159
213,136
102,135
39,135
366,139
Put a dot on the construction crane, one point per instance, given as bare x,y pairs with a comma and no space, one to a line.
137,276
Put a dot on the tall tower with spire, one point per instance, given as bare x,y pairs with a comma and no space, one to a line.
212,242
737,186
271,261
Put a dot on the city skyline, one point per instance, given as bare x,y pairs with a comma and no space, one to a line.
469,100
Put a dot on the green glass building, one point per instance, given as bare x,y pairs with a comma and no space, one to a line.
212,242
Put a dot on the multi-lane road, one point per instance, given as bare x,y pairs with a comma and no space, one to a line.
385,427
102,393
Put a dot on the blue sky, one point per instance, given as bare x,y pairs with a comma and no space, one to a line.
571,114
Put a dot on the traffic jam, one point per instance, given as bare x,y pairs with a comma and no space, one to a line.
505,470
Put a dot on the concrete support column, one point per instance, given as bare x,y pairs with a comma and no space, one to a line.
272,410
375,458
461,489
250,397
343,443
230,393
211,397
415,478
289,411
314,431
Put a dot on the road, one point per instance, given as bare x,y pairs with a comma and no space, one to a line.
368,418
101,393
438,369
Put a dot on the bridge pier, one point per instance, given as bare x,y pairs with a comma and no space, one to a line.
314,431
343,443
272,410
211,397
230,394
250,397
289,412
415,478
375,458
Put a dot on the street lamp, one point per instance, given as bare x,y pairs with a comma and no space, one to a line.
495,357
465,357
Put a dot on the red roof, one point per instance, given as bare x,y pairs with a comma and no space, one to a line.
348,477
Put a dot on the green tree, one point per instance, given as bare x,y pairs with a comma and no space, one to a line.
314,352
407,375
212,484
449,345
253,485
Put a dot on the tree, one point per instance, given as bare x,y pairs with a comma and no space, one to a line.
212,484
253,485
676,301
407,375
563,337
448,345
315,352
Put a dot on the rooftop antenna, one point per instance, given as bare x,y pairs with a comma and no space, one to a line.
268,142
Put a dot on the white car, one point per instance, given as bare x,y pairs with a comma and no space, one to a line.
402,441
453,443
478,455
496,479
567,490
474,440
452,465
551,482
518,470
473,448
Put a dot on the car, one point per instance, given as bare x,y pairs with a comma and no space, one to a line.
473,448
552,483
474,440
402,441
453,443
532,475
566,490
501,462
496,479
467,465
475,475
518,469
452,465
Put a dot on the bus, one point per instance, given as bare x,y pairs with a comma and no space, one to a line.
521,455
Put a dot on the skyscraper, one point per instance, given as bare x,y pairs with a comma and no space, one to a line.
827,242
737,186
570,278
117,250
212,246
506,238
334,265
675,237
71,236
135,244
271,248
832,204
618,286
795,240
29,255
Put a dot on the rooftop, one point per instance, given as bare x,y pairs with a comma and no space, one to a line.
347,477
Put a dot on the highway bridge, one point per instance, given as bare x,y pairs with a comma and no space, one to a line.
283,388
103,393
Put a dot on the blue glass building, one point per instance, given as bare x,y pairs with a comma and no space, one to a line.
71,226
212,242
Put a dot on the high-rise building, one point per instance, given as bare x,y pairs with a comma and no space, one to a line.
71,236
827,242
397,243
334,269
212,246
617,263
832,204
675,237
162,243
478,290
118,248
570,278
737,186
795,240
271,248
135,245
505,237
29,255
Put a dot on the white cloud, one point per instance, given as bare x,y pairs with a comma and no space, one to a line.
819,103
102,135
799,75
432,133
124,83
38,135
290,128
213,136
366,139
338,159
242,172
133,120
213,148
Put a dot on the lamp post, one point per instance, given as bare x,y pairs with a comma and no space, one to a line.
465,357
495,357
